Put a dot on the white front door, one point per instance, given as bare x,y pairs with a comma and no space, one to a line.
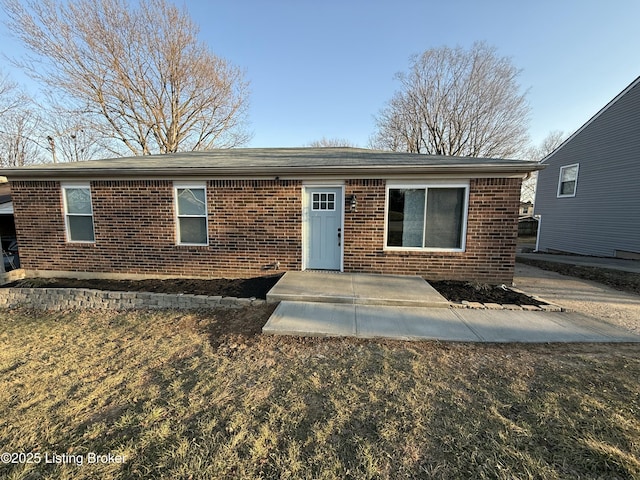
323,228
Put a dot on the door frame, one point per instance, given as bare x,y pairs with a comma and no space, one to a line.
305,219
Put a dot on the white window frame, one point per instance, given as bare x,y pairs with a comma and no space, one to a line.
320,202
193,186
77,186
426,186
575,187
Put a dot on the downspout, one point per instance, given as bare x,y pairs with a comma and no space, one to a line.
539,217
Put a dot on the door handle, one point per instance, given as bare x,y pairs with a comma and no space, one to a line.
339,237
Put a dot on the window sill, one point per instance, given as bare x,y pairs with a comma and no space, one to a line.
422,250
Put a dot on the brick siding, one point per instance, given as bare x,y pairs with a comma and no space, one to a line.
492,229
252,224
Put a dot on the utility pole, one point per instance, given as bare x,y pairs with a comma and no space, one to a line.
52,144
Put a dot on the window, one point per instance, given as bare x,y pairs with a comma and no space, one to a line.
568,180
78,213
427,217
323,201
191,212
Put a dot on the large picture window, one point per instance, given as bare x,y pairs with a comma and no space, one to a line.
568,180
191,212
427,217
78,213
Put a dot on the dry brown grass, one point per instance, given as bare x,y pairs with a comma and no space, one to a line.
187,395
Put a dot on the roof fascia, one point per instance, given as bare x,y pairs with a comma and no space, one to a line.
383,171
301,178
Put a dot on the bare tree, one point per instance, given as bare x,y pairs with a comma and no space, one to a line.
69,138
19,143
11,97
138,75
17,148
331,142
456,102
552,141
18,124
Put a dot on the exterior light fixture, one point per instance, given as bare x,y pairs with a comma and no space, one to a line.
352,201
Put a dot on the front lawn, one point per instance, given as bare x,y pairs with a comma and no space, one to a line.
201,395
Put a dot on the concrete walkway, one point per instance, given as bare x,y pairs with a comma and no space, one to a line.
446,324
621,264
378,306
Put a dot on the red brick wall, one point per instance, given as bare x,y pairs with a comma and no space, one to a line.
39,222
252,224
492,230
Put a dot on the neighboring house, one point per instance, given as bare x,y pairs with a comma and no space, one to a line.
527,223
526,209
588,197
246,212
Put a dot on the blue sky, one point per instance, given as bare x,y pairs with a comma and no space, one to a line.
325,68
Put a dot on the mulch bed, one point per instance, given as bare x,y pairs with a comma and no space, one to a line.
455,291
241,288
458,291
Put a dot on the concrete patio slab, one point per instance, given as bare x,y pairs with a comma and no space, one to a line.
312,287
358,289
395,290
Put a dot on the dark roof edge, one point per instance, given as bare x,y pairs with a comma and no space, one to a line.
248,172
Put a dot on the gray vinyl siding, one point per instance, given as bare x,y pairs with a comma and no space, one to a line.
604,215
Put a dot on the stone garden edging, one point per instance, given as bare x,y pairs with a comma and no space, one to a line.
73,298
546,306
499,306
